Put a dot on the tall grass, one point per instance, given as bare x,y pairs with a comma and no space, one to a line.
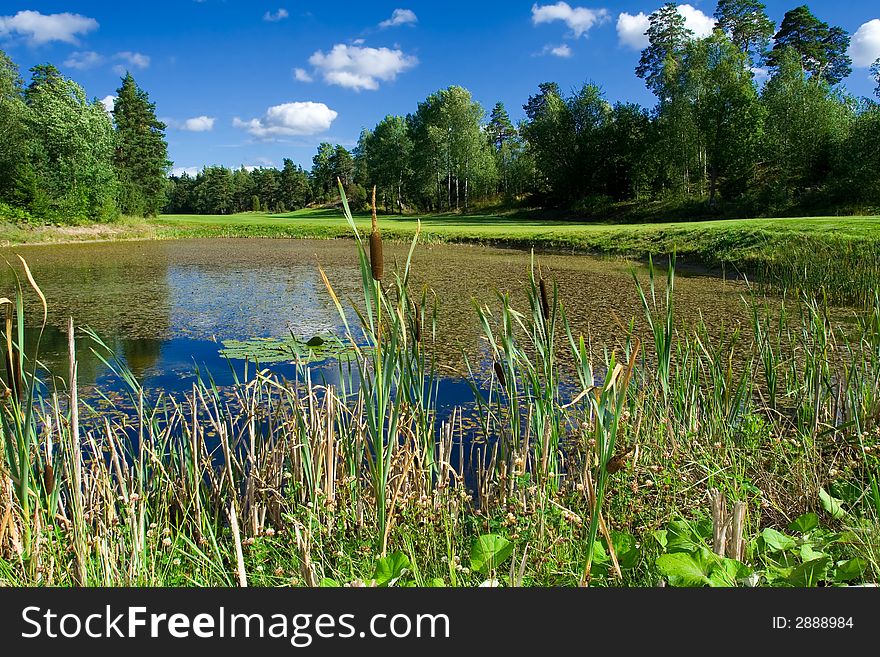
273,482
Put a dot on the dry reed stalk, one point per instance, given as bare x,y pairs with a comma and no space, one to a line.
590,491
239,555
402,478
307,568
79,548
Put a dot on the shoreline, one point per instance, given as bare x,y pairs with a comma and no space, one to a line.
721,247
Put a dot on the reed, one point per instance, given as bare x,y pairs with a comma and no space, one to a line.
280,482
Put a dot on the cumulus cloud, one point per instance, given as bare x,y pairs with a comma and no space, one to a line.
39,28
558,51
279,15
864,48
83,60
356,67
631,28
696,21
400,17
133,60
580,20
290,120
302,75
195,124
109,102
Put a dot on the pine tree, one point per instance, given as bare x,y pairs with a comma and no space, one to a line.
141,151
821,49
668,37
747,25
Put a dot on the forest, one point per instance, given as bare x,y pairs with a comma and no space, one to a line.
739,128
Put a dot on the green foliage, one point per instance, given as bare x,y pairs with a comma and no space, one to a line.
290,349
747,24
488,552
141,156
391,568
821,50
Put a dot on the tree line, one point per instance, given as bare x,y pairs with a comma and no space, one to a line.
65,158
752,119
738,125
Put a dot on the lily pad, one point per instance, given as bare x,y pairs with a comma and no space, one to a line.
289,349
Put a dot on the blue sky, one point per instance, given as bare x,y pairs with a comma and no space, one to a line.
223,73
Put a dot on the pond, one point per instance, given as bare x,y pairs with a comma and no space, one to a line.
166,307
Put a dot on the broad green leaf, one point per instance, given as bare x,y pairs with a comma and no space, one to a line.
660,536
809,574
809,554
831,504
288,349
489,551
683,569
390,568
805,523
437,583
849,570
328,583
777,541
680,537
625,548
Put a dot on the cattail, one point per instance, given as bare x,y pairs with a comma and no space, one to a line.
377,262
49,479
545,303
499,372
13,359
417,322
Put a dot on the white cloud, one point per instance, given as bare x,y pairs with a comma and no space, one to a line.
400,17
40,28
696,21
190,171
302,75
109,102
356,67
83,60
134,59
864,48
290,120
279,15
195,124
559,51
631,28
579,19
760,73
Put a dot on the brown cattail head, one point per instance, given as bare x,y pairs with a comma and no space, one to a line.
48,479
545,302
499,372
377,261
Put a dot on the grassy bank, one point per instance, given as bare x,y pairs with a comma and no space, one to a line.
670,465
837,256
840,255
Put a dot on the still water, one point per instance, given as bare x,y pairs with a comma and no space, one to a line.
165,307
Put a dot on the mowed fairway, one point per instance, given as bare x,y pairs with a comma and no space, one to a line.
710,242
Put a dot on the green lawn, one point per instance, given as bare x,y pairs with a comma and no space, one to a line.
741,241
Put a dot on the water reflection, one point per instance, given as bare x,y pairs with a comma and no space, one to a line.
165,307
